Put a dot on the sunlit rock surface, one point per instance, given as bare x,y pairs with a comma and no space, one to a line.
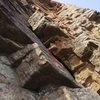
48,51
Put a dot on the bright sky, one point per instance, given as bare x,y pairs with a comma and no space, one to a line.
93,4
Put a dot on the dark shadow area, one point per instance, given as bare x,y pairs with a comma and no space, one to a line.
48,76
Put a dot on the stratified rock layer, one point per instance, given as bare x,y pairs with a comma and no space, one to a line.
38,58
75,44
84,25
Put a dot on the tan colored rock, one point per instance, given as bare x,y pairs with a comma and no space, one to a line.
34,66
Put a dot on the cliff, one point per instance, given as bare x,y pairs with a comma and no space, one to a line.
48,51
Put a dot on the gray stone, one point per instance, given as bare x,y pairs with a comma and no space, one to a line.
64,93
13,92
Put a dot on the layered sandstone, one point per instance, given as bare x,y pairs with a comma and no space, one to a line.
48,51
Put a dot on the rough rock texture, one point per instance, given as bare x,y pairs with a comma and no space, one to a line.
84,26
75,44
64,93
13,92
40,58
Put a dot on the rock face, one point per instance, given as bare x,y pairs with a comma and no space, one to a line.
43,56
84,26
13,92
64,93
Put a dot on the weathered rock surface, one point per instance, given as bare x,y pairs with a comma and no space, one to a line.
13,92
79,25
38,58
7,75
85,24
35,71
64,93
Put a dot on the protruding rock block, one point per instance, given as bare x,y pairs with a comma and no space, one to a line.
36,71
87,76
7,43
